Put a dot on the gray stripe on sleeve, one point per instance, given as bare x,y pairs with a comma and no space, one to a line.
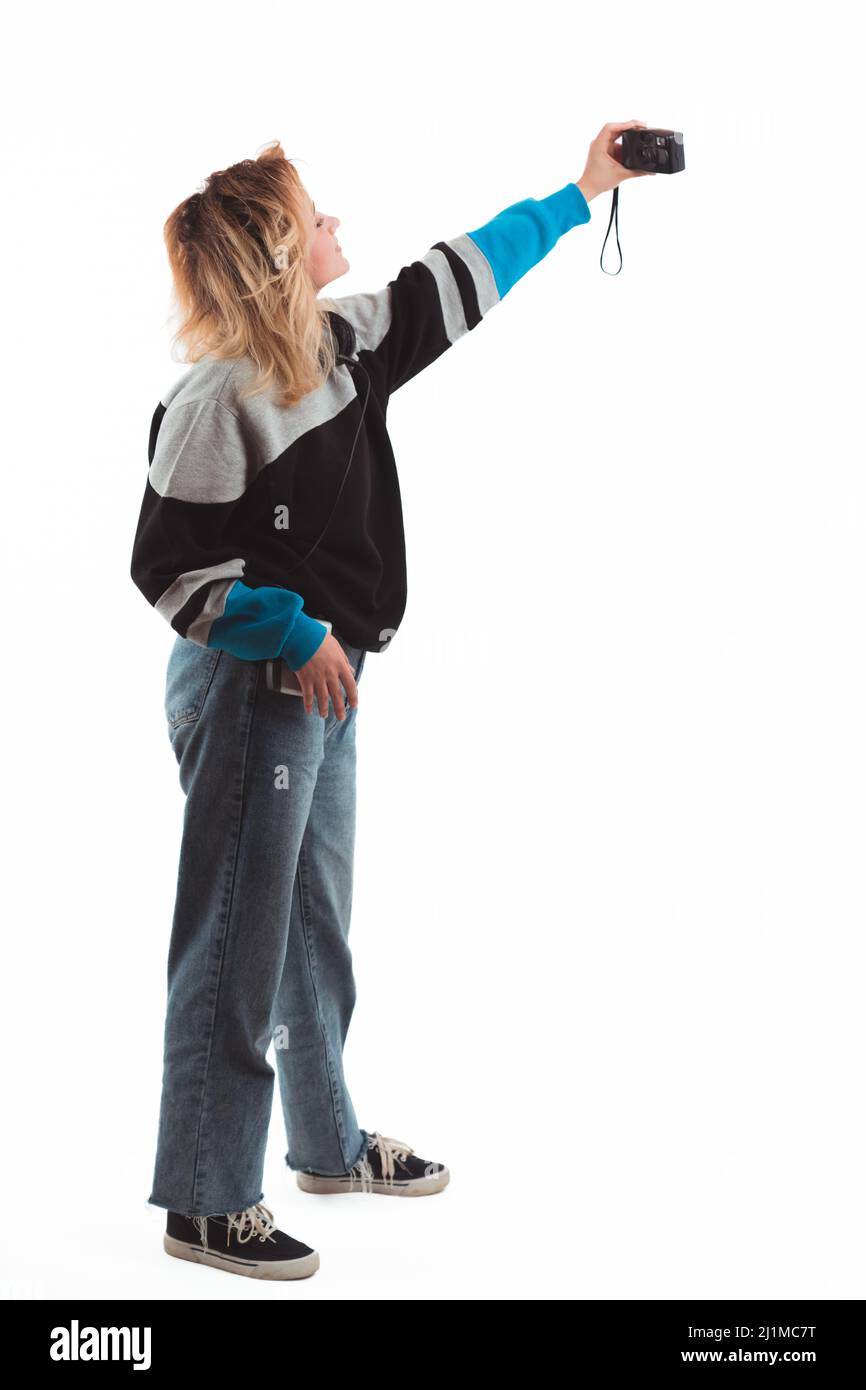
177,594
370,314
480,268
199,628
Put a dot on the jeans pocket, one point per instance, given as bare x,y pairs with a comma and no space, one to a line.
188,678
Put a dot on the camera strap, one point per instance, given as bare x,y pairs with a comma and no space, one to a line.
350,363
614,219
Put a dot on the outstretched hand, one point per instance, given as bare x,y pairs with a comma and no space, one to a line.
604,168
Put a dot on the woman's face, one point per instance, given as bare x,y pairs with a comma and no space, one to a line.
325,261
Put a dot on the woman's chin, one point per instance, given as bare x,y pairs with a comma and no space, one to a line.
340,268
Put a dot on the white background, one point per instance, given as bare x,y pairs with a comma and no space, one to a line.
609,895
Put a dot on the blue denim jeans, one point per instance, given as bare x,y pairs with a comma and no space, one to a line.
259,949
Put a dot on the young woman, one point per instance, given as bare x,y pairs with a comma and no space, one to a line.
270,537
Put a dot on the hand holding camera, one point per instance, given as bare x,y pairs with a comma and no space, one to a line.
643,151
604,167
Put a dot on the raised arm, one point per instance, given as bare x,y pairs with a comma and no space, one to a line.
434,301
437,299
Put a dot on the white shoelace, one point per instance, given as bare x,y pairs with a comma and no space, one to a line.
260,1218
389,1150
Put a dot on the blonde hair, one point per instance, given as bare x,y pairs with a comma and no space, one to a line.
236,251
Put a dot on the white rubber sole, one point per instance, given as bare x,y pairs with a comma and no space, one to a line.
411,1187
236,1264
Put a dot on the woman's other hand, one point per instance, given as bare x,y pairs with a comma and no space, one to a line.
604,169
323,677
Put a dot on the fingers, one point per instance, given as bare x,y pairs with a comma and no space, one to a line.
326,687
323,696
314,686
351,687
343,678
608,134
615,128
336,690
308,689
316,693
607,139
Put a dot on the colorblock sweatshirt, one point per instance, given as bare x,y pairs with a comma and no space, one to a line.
238,491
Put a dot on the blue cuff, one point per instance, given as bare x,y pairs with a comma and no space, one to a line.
521,235
581,211
306,637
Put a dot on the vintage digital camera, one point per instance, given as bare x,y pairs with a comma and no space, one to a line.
654,151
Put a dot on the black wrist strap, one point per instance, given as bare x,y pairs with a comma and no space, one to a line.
614,218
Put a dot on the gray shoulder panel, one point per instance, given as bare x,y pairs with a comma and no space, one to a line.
212,444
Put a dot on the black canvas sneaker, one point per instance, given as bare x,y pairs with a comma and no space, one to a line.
240,1242
389,1166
